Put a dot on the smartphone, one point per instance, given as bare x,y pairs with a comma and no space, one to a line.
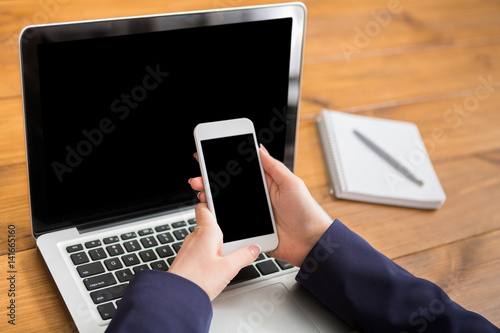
235,183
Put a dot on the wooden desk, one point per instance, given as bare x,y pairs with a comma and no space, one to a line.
434,63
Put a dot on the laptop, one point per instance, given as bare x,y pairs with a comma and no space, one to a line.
109,109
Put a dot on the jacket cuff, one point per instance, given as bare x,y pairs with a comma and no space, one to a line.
161,301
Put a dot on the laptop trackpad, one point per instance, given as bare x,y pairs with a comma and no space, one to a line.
267,309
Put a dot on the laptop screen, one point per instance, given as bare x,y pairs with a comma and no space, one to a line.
109,120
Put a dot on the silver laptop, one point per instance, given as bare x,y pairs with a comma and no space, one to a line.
109,109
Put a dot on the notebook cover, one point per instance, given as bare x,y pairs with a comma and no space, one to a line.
357,173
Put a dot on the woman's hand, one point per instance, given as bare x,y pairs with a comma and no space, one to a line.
200,258
299,221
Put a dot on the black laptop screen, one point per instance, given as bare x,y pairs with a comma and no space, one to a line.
113,134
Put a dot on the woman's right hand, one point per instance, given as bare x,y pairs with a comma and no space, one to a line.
299,220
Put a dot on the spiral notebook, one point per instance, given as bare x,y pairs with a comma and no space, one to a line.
357,172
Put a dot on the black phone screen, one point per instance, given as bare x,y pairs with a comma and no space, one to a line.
237,187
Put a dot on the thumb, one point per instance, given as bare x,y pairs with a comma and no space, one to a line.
204,217
274,168
241,258
203,214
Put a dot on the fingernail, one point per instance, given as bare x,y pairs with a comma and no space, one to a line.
189,181
264,149
255,249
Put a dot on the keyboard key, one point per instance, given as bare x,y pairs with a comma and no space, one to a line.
267,267
90,269
132,246
107,311
177,247
170,260
148,255
162,228
180,234
140,268
97,254
113,263
131,259
192,221
148,242
165,251
159,265
165,238
283,264
92,244
74,248
79,258
124,275
99,281
129,235
260,257
191,229
115,250
112,239
179,224
145,232
245,274
108,294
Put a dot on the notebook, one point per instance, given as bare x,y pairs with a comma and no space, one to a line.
109,109
357,172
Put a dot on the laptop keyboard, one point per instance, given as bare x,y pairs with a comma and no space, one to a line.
106,265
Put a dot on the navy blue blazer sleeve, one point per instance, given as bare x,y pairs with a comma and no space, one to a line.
373,294
158,301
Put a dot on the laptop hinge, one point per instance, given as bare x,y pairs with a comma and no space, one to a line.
99,225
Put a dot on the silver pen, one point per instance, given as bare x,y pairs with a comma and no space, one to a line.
388,158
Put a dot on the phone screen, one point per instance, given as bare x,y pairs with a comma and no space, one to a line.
237,187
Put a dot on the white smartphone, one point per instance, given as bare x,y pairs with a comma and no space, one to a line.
235,183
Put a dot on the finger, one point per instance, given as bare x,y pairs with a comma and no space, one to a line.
241,258
206,222
202,196
269,180
204,216
197,184
196,156
277,170
207,225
